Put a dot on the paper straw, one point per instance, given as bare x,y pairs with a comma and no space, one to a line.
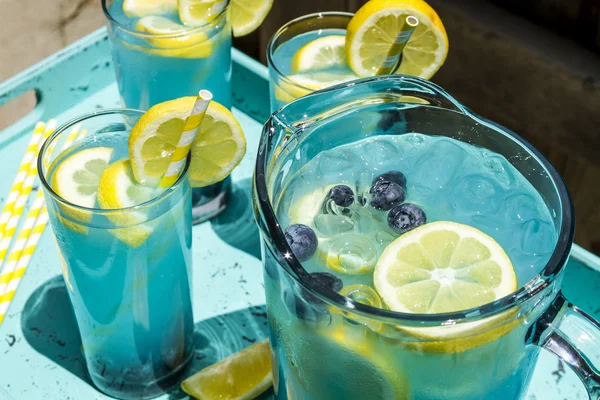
15,189
393,56
29,236
190,130
19,206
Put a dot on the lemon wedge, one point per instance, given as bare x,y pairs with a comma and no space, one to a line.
241,376
322,53
443,267
174,35
118,189
373,29
141,8
217,149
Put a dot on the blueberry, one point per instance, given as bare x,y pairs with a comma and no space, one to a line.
392,176
341,195
406,217
324,280
307,306
301,308
386,194
302,240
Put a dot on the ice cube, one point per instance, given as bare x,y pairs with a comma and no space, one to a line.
381,152
476,194
352,254
538,237
436,168
520,208
384,238
337,163
362,186
329,225
499,169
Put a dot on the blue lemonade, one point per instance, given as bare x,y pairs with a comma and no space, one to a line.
323,353
152,68
128,272
288,84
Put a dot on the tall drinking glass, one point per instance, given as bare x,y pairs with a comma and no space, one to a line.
285,83
155,67
128,270
332,336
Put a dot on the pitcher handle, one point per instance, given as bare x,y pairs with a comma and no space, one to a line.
574,337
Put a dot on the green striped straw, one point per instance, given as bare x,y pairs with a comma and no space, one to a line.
389,64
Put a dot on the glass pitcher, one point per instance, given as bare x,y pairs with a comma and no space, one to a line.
330,341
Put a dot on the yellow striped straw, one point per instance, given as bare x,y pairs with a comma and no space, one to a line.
9,282
393,56
190,130
19,206
29,235
15,189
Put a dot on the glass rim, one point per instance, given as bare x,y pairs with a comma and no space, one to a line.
267,220
185,32
280,31
62,129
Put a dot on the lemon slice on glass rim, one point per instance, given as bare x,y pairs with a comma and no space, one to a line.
217,149
142,8
374,27
245,15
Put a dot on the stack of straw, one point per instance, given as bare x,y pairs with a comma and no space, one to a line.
16,254
20,250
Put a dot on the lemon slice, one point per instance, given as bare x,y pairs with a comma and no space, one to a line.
304,210
76,178
141,8
321,80
218,147
372,31
241,376
118,189
306,83
363,370
247,15
443,267
200,12
322,53
199,50
163,26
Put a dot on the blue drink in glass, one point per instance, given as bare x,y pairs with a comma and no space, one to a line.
155,67
128,270
285,84
331,333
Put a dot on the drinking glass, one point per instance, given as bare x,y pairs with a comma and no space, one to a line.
132,298
284,44
152,68
327,346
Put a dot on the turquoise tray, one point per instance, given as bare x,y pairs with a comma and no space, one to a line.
40,354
